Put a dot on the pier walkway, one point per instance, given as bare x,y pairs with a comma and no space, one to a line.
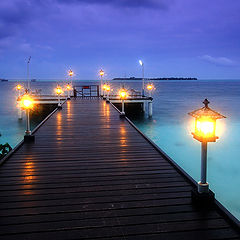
91,175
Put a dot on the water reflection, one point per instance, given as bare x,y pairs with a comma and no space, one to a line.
28,175
59,124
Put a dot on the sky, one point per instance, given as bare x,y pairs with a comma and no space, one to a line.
174,38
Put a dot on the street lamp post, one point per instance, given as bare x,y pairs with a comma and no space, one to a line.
59,91
123,95
70,74
27,104
28,76
142,64
104,90
19,88
68,87
108,90
150,87
101,73
204,132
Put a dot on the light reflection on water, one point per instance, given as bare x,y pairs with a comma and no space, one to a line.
170,128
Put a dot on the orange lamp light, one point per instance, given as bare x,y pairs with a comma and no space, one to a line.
107,88
26,102
101,72
18,87
123,93
70,73
149,87
104,87
59,90
68,87
205,123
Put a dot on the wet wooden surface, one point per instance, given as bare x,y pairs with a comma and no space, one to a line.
90,175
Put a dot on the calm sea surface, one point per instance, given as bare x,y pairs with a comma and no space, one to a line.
170,128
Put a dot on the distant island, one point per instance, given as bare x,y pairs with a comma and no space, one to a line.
153,79
3,80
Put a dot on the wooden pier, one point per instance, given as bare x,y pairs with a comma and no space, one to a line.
92,175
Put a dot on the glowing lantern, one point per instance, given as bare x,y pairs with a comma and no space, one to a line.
68,87
149,87
205,123
59,91
101,72
70,73
18,87
104,87
27,103
205,131
107,88
122,94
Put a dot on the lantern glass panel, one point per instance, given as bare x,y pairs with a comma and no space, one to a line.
205,127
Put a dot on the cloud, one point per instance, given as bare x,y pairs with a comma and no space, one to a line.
160,4
222,61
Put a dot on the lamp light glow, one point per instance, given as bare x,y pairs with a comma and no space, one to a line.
68,87
107,88
18,87
123,93
205,123
104,86
26,102
101,72
140,62
59,90
150,87
70,73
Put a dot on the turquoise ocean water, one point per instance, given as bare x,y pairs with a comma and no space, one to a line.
170,128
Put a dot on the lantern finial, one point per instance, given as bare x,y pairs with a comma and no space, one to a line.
206,102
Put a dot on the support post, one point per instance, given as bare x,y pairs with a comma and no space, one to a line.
28,76
101,90
203,186
104,94
28,137
144,106
28,131
19,113
203,197
122,114
143,80
59,102
150,109
107,100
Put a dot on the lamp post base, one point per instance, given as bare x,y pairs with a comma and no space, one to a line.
104,98
122,115
204,199
29,138
68,98
59,107
107,101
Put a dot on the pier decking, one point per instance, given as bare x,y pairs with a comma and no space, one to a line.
91,175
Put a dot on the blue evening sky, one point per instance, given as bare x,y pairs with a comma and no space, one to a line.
189,38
